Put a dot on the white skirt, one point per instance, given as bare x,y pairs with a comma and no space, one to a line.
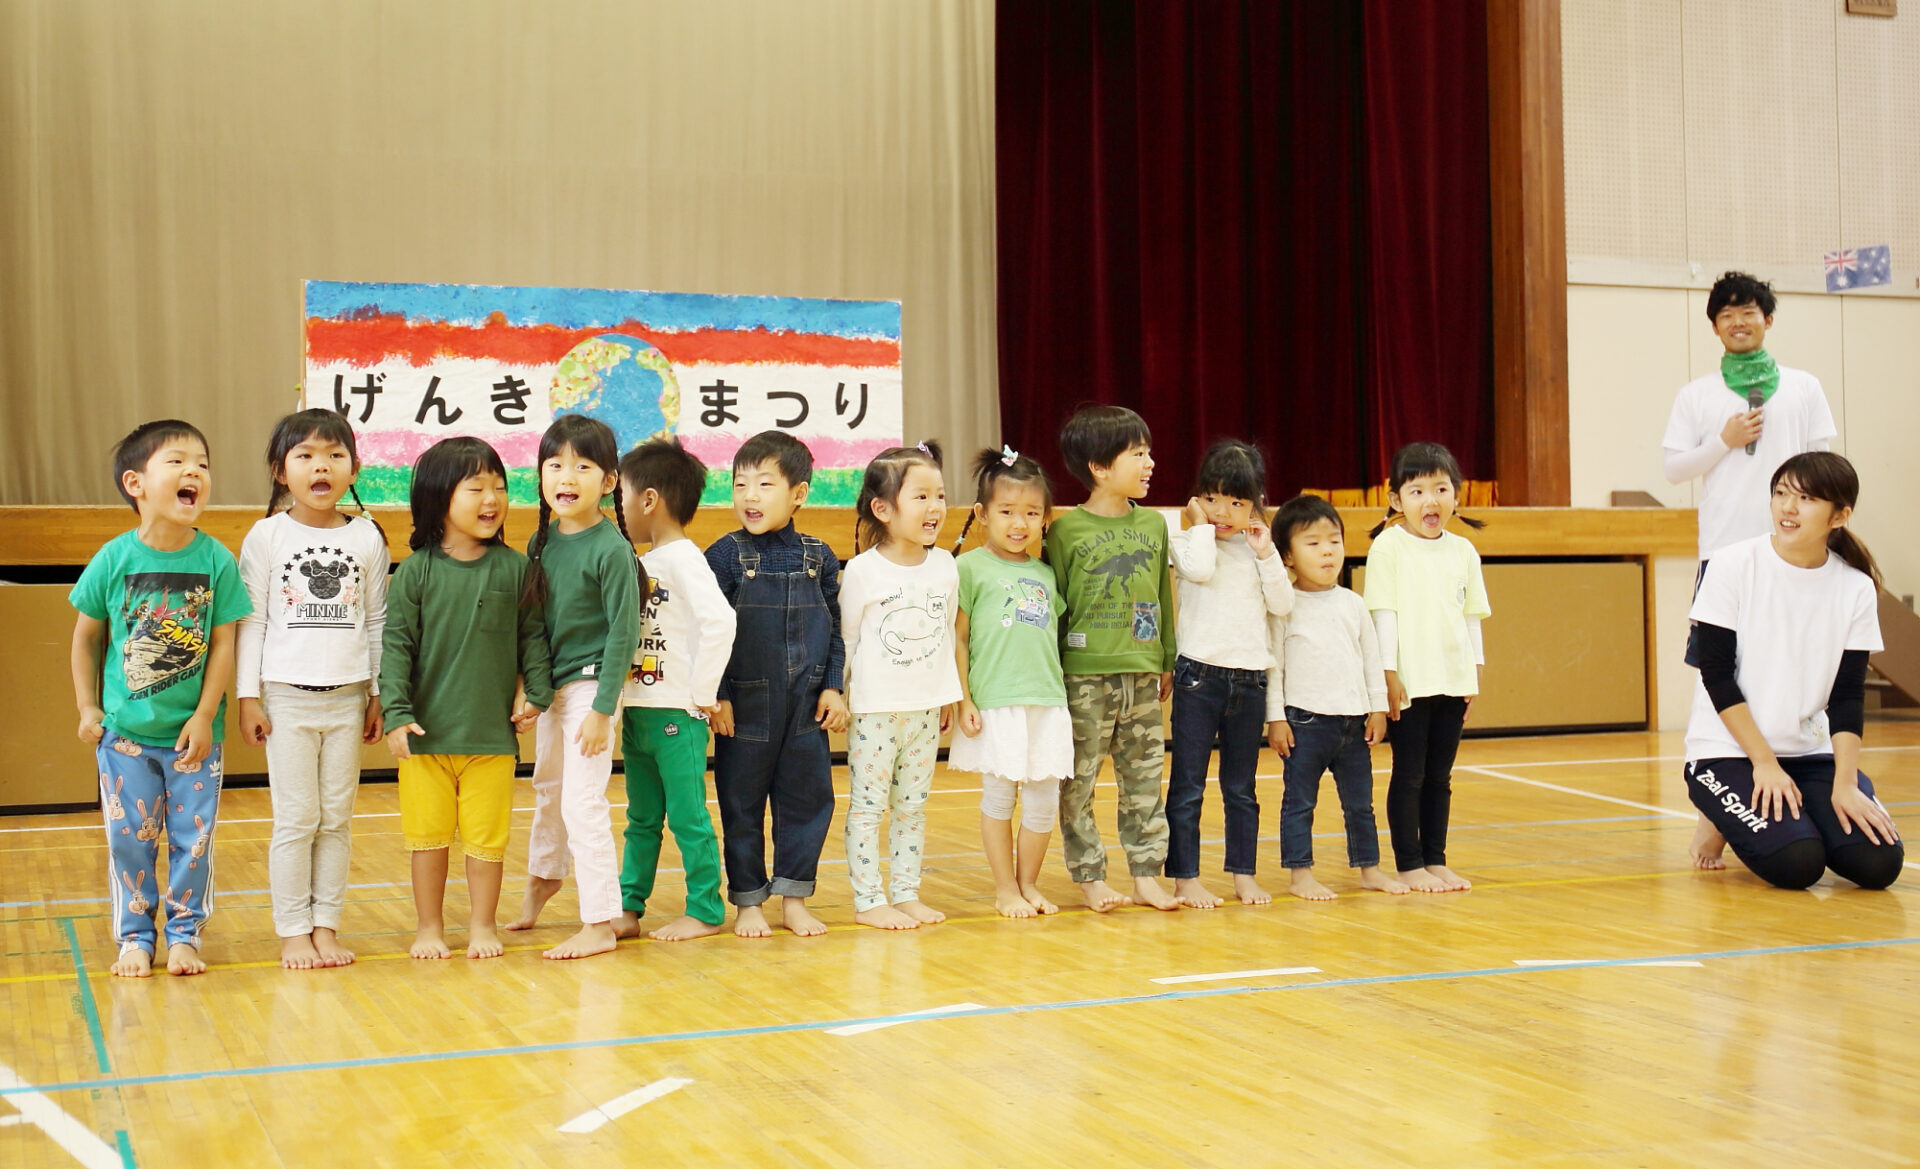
1017,743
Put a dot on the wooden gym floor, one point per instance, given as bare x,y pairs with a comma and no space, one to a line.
1593,1001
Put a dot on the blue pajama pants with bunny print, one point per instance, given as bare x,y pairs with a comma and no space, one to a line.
143,790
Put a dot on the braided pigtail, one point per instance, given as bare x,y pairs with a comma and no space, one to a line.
355,492
536,590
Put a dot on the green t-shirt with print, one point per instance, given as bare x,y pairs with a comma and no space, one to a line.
1113,571
1013,631
161,609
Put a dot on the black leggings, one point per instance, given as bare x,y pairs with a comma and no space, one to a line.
1790,853
1420,795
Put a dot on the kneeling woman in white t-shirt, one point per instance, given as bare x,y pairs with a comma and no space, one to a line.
1785,624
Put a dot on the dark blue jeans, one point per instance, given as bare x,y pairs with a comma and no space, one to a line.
1210,702
1321,741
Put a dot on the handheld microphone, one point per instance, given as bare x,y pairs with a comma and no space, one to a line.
1754,402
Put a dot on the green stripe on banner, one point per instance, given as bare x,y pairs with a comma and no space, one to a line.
832,487
388,486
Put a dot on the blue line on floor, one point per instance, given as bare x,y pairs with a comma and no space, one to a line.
84,994
981,1012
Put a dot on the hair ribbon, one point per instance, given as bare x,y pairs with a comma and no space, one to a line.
1008,456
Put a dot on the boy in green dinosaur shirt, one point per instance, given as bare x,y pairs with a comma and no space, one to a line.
1117,651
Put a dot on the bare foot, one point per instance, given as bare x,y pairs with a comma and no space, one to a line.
1147,891
592,938
1450,881
1375,878
133,962
684,929
795,916
430,943
483,942
1249,891
1038,900
627,925
750,921
326,943
920,911
1010,902
184,959
1707,846
1190,892
298,953
1102,897
540,890
1421,881
885,917
1305,885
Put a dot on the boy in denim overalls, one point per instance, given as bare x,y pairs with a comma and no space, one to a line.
781,691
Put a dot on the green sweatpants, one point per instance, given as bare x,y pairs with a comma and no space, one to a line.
666,759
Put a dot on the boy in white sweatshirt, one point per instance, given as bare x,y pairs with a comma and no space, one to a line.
686,637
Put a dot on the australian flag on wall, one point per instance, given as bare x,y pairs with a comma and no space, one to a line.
1859,268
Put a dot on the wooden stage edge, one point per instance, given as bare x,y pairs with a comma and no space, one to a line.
50,535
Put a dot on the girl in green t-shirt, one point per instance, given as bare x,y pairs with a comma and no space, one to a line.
1013,728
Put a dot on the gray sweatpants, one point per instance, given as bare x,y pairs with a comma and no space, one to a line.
313,768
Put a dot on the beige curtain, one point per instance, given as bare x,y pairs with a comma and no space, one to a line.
170,172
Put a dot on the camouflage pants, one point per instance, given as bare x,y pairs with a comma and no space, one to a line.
1117,715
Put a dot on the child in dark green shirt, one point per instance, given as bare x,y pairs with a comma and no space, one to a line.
459,644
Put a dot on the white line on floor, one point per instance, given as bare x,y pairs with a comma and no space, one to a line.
929,1013
619,1106
1585,961
1175,979
41,1112
1574,791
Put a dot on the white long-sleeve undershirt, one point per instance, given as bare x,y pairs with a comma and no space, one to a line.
1684,465
1386,628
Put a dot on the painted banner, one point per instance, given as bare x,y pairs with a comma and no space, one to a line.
411,364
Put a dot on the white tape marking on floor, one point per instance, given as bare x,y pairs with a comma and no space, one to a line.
619,1106
1574,791
929,1013
1586,961
1175,979
42,1113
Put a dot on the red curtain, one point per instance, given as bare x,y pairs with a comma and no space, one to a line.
1189,225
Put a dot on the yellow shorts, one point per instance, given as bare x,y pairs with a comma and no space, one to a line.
473,793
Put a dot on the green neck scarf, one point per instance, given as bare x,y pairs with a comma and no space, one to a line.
1744,372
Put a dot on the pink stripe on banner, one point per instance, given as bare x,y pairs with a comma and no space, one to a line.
399,448
716,450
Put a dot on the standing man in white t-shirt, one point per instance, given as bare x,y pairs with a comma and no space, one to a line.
1713,431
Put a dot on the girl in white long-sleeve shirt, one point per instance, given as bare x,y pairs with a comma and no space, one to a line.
306,664
1230,580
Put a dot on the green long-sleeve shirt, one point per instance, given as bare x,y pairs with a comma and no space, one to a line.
593,609
456,639
1119,611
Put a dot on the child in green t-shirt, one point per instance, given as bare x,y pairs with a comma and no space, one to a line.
1117,649
1013,727
164,598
